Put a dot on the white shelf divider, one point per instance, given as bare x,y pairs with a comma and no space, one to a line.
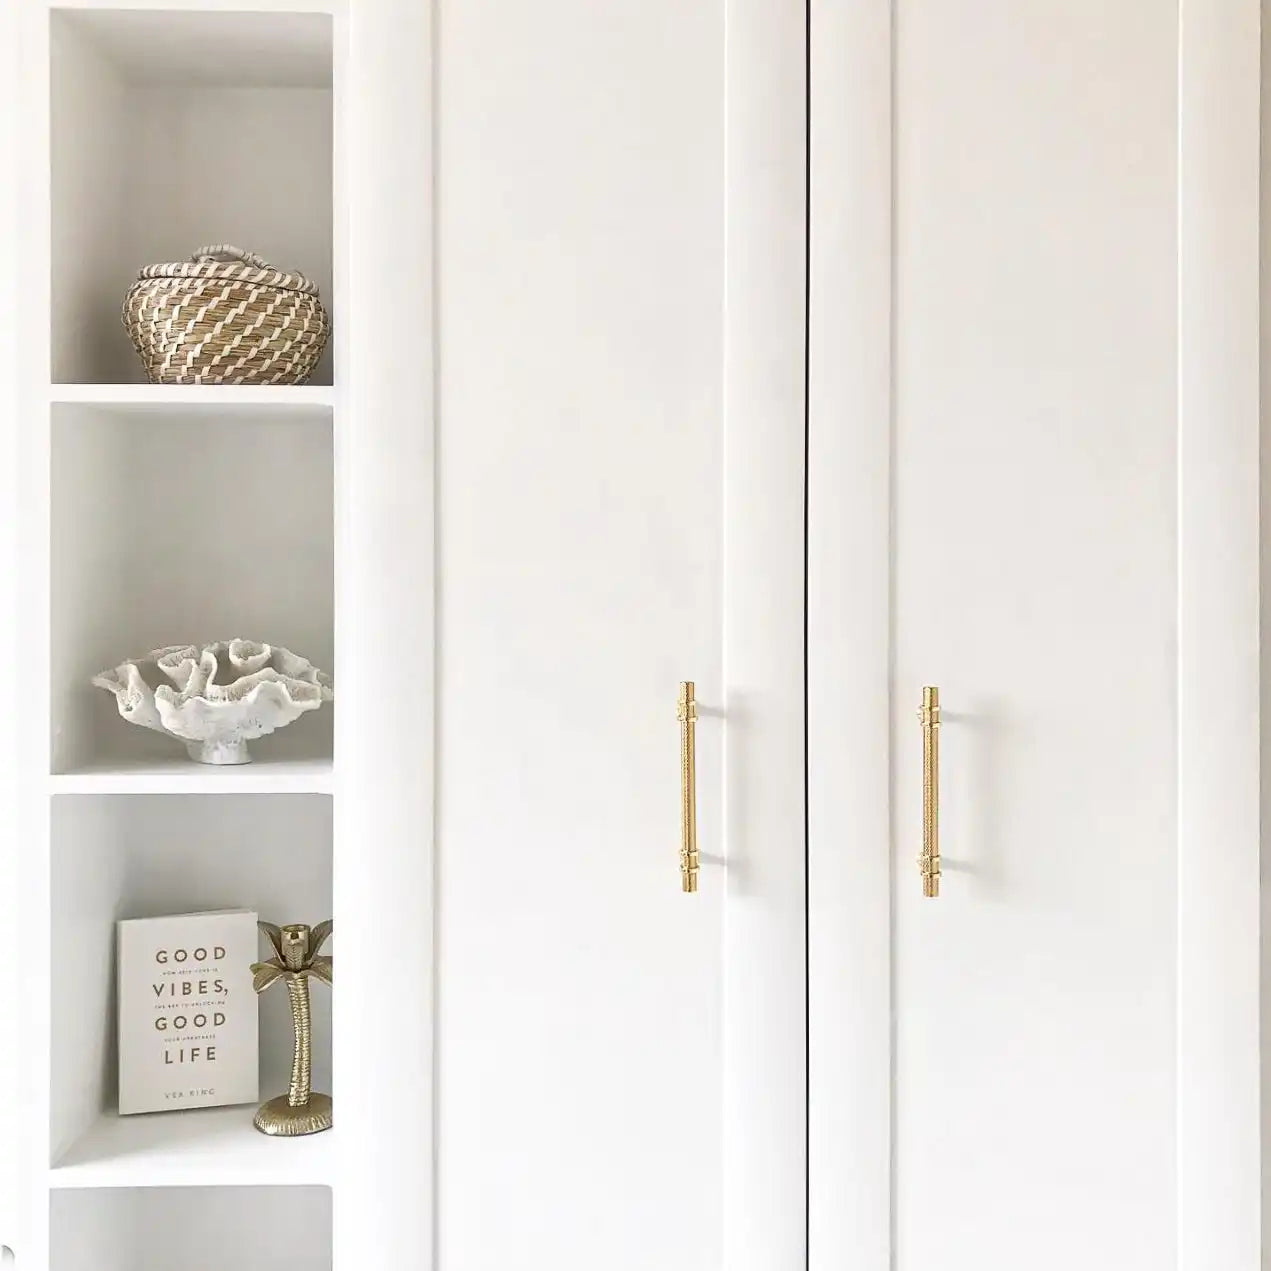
166,397
181,776
267,7
210,1147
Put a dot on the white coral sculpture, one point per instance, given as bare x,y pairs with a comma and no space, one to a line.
267,688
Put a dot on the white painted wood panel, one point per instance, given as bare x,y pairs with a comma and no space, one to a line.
849,636
383,1213
1035,582
209,1147
620,246
1220,1069
1073,1060
12,1137
201,401
580,243
174,774
270,9
765,957
28,436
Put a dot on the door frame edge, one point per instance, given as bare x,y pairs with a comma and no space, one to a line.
385,1194
1218,1074
849,493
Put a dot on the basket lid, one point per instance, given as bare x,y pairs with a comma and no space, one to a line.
234,264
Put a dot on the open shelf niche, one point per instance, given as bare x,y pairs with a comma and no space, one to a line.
171,130
175,525
138,856
198,1228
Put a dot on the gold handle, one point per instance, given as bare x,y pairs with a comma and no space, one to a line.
686,713
929,861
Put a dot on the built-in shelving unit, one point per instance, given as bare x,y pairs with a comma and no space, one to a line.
164,515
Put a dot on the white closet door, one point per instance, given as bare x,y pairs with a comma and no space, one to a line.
1034,471
575,317
620,489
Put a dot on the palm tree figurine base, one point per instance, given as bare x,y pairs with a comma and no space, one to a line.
299,1111
279,1118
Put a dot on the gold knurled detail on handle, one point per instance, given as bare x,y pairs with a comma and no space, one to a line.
686,713
929,861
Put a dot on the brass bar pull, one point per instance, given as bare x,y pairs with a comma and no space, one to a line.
686,713
929,861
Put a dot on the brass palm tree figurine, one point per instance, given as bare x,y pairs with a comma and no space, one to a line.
300,1110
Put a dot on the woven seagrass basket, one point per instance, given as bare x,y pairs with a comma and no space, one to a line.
225,316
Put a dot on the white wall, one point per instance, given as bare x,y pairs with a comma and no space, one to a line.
200,1229
186,162
89,169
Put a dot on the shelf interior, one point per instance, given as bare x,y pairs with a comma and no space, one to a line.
174,48
207,1146
137,856
198,1228
176,527
173,130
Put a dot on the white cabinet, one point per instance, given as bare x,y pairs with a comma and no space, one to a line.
620,497
588,344
1035,484
551,465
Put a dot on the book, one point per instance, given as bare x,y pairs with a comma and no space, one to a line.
188,1017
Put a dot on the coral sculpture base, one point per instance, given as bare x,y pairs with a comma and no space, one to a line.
279,1118
218,752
